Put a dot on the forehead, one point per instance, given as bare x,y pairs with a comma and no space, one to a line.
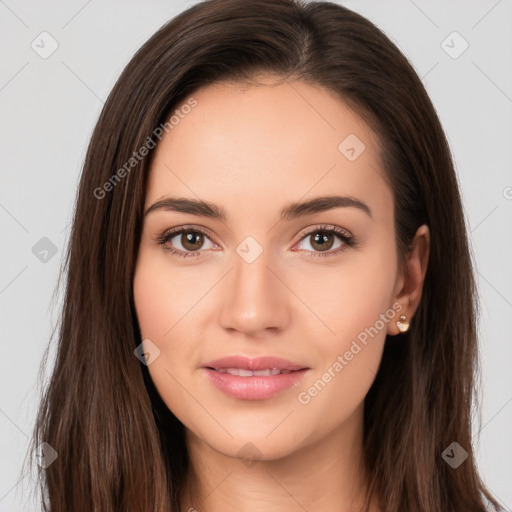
267,144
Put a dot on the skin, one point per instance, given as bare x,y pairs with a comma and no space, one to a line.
253,149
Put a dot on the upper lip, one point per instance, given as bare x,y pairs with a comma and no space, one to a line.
255,364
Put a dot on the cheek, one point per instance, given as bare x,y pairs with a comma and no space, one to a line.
349,364
349,297
357,308
161,302
163,299
162,296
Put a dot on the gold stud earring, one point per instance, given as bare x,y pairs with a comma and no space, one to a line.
402,324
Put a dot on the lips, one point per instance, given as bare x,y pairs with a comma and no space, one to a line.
244,365
253,379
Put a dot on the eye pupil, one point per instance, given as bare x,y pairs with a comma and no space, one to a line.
319,238
192,240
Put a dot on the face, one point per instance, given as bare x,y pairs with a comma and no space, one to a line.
314,286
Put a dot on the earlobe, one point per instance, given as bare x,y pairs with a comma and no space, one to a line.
416,263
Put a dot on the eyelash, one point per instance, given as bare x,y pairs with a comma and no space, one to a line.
348,240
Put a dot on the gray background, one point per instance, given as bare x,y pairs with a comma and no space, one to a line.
48,110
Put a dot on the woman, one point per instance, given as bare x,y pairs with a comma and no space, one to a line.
270,298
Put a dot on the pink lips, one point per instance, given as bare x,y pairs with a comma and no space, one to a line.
253,387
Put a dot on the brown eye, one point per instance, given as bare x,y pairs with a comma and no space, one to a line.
326,241
185,242
322,241
192,240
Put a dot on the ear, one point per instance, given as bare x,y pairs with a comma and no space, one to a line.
410,283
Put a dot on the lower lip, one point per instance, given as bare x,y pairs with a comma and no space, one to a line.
254,388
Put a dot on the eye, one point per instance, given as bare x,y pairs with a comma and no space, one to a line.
185,242
322,240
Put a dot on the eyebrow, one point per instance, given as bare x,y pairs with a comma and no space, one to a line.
290,211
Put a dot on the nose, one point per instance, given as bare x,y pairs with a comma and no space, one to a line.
254,298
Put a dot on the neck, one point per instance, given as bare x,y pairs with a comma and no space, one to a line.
326,475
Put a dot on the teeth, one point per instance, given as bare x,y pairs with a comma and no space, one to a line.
263,373
242,372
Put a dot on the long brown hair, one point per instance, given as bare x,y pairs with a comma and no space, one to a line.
118,445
